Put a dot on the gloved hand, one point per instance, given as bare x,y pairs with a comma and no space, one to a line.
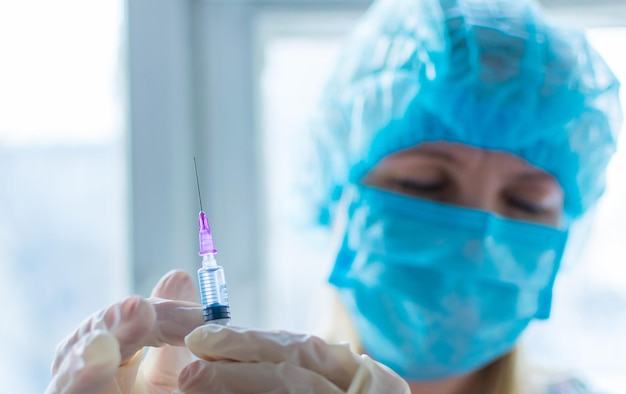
239,360
104,355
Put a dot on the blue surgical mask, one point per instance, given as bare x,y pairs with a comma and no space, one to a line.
436,290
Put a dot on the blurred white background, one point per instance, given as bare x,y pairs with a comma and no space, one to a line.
102,107
63,209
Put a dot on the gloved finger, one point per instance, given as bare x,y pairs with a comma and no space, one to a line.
89,367
174,320
129,321
162,366
334,361
260,377
137,322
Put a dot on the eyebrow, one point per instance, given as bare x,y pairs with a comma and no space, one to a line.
536,175
438,154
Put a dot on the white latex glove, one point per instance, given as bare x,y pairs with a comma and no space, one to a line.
239,360
104,354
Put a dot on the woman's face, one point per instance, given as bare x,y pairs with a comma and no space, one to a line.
465,176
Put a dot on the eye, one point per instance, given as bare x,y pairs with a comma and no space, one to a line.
412,175
526,206
419,186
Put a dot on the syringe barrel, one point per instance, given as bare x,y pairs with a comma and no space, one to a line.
214,294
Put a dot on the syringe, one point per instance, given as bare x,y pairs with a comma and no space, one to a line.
211,276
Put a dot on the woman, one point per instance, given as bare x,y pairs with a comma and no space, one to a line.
456,144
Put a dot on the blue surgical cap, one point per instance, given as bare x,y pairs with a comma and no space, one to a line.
493,74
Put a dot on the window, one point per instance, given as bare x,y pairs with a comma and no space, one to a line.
63,227
296,63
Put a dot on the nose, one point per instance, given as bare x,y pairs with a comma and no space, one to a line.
482,199
479,189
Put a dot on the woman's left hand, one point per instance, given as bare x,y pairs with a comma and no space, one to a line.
105,353
239,360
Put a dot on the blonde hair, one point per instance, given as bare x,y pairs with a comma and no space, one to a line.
501,376
505,375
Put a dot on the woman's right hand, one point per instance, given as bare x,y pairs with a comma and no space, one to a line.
105,353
